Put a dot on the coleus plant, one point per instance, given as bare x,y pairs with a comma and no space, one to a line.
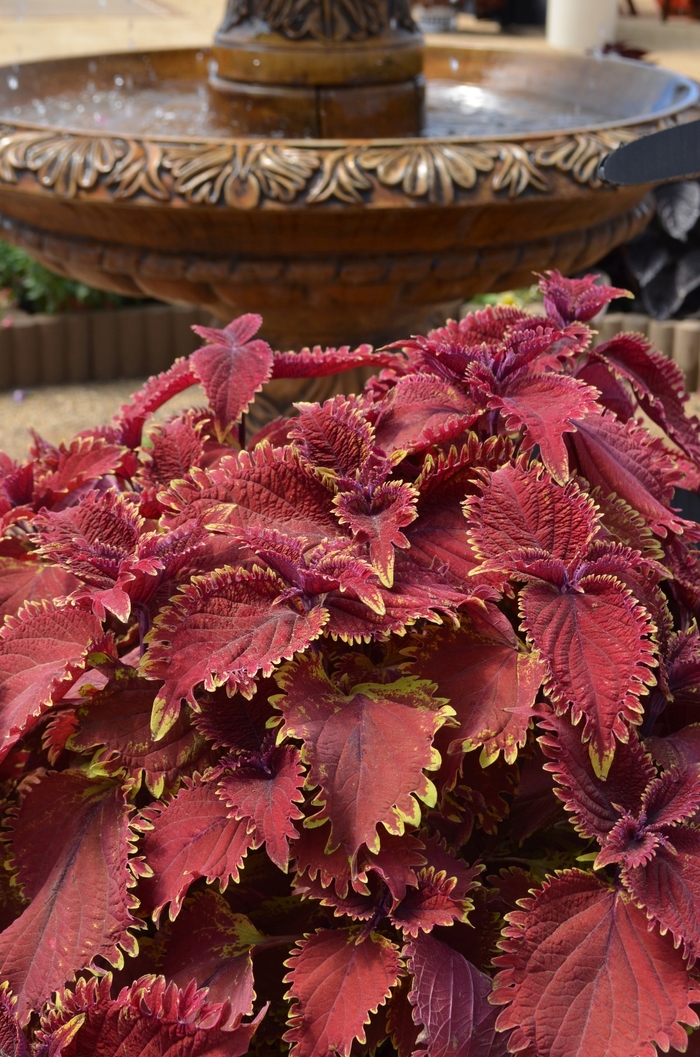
375,733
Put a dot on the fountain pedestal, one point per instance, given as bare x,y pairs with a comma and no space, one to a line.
134,174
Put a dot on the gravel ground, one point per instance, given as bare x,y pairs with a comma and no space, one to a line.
58,412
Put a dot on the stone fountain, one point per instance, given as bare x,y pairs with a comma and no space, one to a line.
323,167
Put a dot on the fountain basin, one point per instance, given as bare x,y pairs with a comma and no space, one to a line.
127,172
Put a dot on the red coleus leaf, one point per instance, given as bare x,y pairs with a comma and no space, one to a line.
222,630
596,643
450,1001
367,749
320,363
658,383
377,519
70,844
395,863
171,452
422,410
667,886
264,788
334,437
117,720
42,650
431,903
438,536
232,368
625,461
594,804
546,407
212,946
12,1040
337,979
268,488
65,469
148,1019
31,581
96,541
490,681
191,836
584,976
521,510
576,299
130,419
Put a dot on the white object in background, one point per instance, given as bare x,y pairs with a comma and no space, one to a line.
581,24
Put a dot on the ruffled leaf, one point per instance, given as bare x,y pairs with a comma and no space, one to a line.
41,653
148,1019
420,411
576,299
70,844
191,836
367,748
223,630
546,406
31,581
584,977
490,683
232,368
337,979
378,519
212,946
596,645
320,363
265,790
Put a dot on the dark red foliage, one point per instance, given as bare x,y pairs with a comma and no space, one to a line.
291,733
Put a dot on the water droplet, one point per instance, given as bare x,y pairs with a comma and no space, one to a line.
119,81
12,82
256,62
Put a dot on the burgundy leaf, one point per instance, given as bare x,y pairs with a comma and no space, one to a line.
576,299
70,845
212,946
624,460
450,1000
265,789
668,887
119,721
266,488
421,411
232,368
378,520
30,581
596,644
520,509
148,1019
42,650
658,383
489,681
367,750
12,1040
593,803
584,976
320,363
337,979
546,407
222,630
431,903
335,437
190,837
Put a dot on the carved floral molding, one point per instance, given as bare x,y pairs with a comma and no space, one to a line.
243,175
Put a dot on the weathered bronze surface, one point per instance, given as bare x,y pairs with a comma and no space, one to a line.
332,240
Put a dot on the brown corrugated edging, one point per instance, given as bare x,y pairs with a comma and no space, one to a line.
96,346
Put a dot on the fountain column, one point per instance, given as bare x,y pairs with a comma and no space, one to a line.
320,68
